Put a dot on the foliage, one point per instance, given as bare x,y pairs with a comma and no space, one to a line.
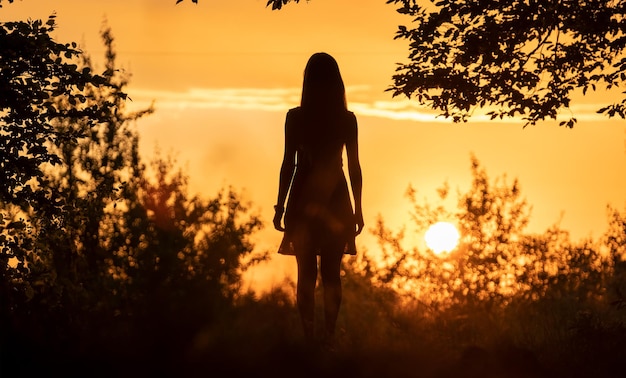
515,57
90,154
529,304
615,240
276,4
496,262
127,248
38,76
36,71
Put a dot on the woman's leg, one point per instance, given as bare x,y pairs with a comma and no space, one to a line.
331,279
307,276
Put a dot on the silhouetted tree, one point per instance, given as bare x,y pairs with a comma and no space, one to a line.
57,267
615,239
496,260
276,4
38,74
99,171
519,57
36,71
127,249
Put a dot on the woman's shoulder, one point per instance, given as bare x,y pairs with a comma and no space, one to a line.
294,114
293,111
350,119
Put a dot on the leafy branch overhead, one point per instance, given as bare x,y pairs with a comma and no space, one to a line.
276,4
520,57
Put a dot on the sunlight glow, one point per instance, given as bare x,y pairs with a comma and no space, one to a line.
442,237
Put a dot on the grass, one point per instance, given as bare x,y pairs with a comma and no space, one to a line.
376,337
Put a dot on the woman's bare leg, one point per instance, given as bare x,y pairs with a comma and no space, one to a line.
307,276
331,279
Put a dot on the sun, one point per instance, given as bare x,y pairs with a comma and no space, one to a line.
442,237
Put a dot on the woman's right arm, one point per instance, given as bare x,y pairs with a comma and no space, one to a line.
286,172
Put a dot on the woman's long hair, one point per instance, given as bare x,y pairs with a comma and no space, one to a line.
322,88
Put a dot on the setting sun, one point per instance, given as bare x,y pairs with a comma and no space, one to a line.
442,237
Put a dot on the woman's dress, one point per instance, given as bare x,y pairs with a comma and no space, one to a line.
319,216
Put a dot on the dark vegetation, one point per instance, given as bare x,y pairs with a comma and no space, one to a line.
110,267
525,58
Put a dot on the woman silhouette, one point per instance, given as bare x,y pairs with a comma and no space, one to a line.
319,220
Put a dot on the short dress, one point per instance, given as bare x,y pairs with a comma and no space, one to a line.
319,216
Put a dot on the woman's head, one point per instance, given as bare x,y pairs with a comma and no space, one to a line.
323,87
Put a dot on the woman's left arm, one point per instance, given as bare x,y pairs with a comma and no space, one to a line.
354,170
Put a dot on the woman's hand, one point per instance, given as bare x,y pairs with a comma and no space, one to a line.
359,222
278,216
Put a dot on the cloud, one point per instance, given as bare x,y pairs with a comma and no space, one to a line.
400,109
281,99
274,99
267,99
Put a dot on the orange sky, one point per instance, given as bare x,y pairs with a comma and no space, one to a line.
223,74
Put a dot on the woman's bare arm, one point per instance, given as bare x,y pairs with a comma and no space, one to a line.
286,173
356,176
